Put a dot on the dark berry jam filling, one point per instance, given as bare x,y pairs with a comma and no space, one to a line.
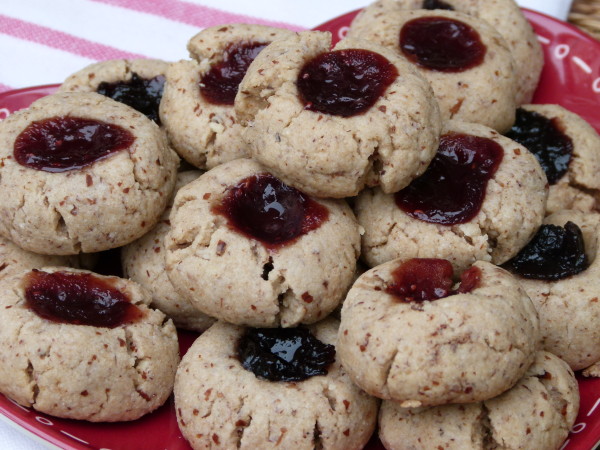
264,208
64,143
284,354
220,84
437,4
78,299
344,82
141,94
452,189
545,138
420,279
442,44
554,253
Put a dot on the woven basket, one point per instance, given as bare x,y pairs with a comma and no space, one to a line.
586,15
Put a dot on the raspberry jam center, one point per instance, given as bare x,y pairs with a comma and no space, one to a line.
344,82
264,208
220,84
284,354
554,253
437,4
442,44
420,279
452,189
78,299
64,143
545,138
141,94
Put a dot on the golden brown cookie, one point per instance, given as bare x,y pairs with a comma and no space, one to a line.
85,174
407,334
222,405
374,122
248,249
82,346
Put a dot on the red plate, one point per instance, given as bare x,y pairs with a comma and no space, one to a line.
571,78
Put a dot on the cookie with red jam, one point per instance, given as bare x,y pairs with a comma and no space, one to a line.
503,15
415,332
332,121
197,107
567,148
270,388
81,173
138,83
143,261
466,61
560,271
482,198
83,346
536,413
246,248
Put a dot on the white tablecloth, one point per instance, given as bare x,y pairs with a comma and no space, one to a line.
43,41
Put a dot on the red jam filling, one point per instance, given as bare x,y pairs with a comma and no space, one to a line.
421,279
78,299
220,84
437,4
452,189
284,354
143,95
264,208
442,44
344,82
546,139
64,143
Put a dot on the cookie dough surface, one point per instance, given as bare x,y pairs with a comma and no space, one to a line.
203,133
236,278
89,78
220,404
85,372
333,156
579,188
512,210
144,262
482,94
14,260
537,413
569,309
504,15
103,205
458,349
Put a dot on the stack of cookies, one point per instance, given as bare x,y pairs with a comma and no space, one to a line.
382,223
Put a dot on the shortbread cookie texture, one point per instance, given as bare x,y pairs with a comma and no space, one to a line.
430,225
467,62
247,249
14,260
563,281
537,413
197,107
84,172
106,358
137,83
331,122
406,335
220,404
144,262
504,15
567,147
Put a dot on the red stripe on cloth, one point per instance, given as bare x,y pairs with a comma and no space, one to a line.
63,41
192,14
